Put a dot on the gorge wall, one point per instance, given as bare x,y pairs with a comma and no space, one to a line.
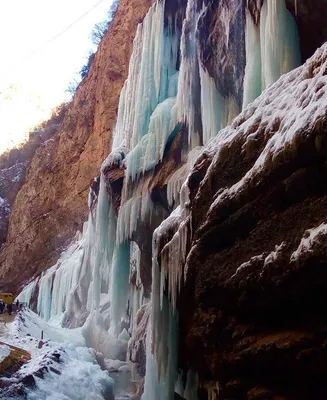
52,204
203,258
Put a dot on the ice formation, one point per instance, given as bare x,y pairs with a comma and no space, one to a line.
272,48
97,283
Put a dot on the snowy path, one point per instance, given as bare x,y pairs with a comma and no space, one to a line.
5,326
76,376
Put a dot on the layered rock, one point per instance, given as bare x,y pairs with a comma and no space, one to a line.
252,311
249,235
52,204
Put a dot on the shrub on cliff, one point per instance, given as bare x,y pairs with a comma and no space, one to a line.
41,133
101,28
98,32
86,68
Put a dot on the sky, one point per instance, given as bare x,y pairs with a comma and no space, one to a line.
35,74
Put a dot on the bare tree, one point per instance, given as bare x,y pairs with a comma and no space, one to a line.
99,30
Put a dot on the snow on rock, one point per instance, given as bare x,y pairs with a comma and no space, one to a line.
78,377
115,159
259,264
4,203
4,352
28,328
283,113
311,240
60,369
244,268
270,132
13,174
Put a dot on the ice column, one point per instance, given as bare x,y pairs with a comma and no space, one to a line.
104,245
188,97
151,78
216,110
272,48
119,288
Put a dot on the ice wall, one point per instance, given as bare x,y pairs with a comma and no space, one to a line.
97,283
272,48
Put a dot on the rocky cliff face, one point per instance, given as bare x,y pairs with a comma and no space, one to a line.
14,164
252,310
52,204
235,243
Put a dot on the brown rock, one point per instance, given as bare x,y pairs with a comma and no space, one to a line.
253,307
52,204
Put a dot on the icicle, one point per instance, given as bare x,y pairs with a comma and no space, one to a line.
150,149
272,49
152,77
65,280
44,300
280,48
177,180
136,287
192,386
119,289
153,387
253,69
188,97
161,351
27,293
104,246
216,110
130,216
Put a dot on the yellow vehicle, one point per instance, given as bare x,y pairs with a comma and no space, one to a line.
8,298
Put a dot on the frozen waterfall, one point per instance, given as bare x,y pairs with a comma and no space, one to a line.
97,282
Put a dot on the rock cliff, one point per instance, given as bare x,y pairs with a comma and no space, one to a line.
52,204
14,164
252,309
203,226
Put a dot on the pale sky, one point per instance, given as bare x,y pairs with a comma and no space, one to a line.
40,79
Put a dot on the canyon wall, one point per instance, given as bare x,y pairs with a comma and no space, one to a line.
203,261
52,204
252,307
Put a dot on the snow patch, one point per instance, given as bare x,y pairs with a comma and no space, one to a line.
4,352
311,238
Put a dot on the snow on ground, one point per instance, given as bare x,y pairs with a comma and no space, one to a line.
4,352
29,323
80,378
76,376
